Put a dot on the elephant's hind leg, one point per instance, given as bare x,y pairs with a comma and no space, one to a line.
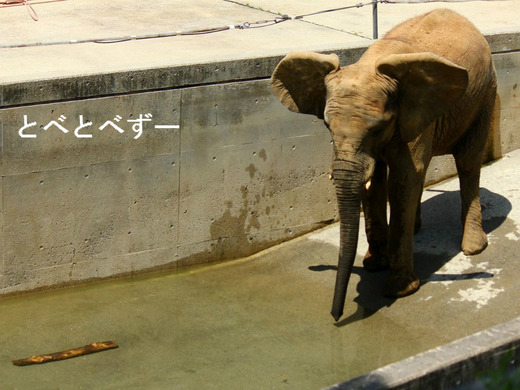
474,240
469,158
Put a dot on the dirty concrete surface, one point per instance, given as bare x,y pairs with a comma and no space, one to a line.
263,322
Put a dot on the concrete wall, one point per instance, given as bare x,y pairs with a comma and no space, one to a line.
240,174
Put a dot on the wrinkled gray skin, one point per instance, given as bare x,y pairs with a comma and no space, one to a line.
427,88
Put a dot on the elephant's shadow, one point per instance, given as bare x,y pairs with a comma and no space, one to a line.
435,244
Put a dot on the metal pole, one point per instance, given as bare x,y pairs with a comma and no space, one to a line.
374,20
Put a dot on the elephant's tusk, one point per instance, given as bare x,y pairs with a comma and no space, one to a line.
368,184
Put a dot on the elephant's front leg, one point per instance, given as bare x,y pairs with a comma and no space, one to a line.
404,192
374,209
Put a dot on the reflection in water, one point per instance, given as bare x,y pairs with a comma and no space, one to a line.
360,314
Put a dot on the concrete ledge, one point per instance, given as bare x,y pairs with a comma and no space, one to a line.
447,366
181,76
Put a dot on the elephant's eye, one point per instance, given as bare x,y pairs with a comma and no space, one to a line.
379,127
377,131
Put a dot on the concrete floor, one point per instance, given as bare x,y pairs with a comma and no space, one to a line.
263,322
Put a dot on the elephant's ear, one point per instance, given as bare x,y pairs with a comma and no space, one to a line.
299,81
428,86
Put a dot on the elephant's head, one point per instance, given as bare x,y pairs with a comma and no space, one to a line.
364,107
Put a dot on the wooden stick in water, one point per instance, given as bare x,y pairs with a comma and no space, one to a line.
71,353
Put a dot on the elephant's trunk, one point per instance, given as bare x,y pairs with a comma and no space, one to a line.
349,179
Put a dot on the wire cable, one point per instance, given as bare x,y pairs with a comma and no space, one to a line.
242,26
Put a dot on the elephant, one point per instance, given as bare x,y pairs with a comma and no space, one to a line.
426,88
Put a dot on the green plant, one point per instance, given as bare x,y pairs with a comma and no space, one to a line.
503,378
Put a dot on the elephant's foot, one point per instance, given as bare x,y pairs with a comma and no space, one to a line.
375,262
400,285
474,243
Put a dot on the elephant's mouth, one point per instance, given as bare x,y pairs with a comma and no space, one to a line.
367,186
352,165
